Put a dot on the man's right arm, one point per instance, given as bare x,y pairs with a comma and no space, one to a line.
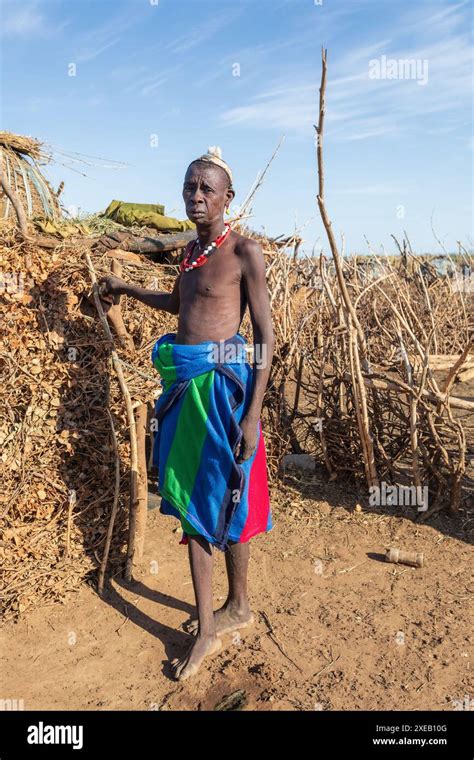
114,286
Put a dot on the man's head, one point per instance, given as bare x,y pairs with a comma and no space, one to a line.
207,188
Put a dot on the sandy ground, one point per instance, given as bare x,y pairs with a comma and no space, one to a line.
337,628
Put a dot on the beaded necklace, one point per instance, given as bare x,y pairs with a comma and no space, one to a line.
186,266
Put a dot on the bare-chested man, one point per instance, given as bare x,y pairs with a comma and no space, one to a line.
210,302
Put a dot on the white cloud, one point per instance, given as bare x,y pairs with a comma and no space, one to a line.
360,108
27,20
287,109
200,34
21,20
100,38
91,53
150,82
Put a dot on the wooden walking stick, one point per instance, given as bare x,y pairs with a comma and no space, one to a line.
114,510
114,314
141,416
130,417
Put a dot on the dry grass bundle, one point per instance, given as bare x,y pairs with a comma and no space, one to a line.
28,146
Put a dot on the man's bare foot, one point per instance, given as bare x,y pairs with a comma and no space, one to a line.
227,619
189,665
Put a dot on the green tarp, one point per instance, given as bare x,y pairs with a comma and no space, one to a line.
145,215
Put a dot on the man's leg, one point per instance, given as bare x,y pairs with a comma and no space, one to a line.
237,563
235,612
200,559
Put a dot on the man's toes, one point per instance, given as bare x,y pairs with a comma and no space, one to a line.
186,672
190,664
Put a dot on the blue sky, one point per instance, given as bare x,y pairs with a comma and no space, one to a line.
186,74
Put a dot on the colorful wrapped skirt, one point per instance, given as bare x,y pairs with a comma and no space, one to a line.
206,392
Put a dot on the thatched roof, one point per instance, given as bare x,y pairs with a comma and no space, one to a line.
19,158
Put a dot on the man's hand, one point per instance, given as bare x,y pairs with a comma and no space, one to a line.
110,288
248,443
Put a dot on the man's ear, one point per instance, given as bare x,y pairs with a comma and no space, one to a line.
230,196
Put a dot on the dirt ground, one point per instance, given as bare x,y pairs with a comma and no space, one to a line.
337,628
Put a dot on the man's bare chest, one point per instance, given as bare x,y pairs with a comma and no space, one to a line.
218,277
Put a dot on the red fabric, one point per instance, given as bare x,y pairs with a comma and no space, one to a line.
259,497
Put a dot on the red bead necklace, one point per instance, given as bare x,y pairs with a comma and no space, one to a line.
186,266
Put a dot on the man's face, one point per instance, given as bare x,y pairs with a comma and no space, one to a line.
206,193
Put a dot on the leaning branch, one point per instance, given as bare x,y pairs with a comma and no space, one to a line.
359,362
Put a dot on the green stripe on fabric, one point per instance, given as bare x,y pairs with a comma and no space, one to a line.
164,364
184,457
188,528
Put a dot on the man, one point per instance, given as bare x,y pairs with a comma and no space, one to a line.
209,448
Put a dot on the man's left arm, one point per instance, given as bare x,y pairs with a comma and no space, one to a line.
256,290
